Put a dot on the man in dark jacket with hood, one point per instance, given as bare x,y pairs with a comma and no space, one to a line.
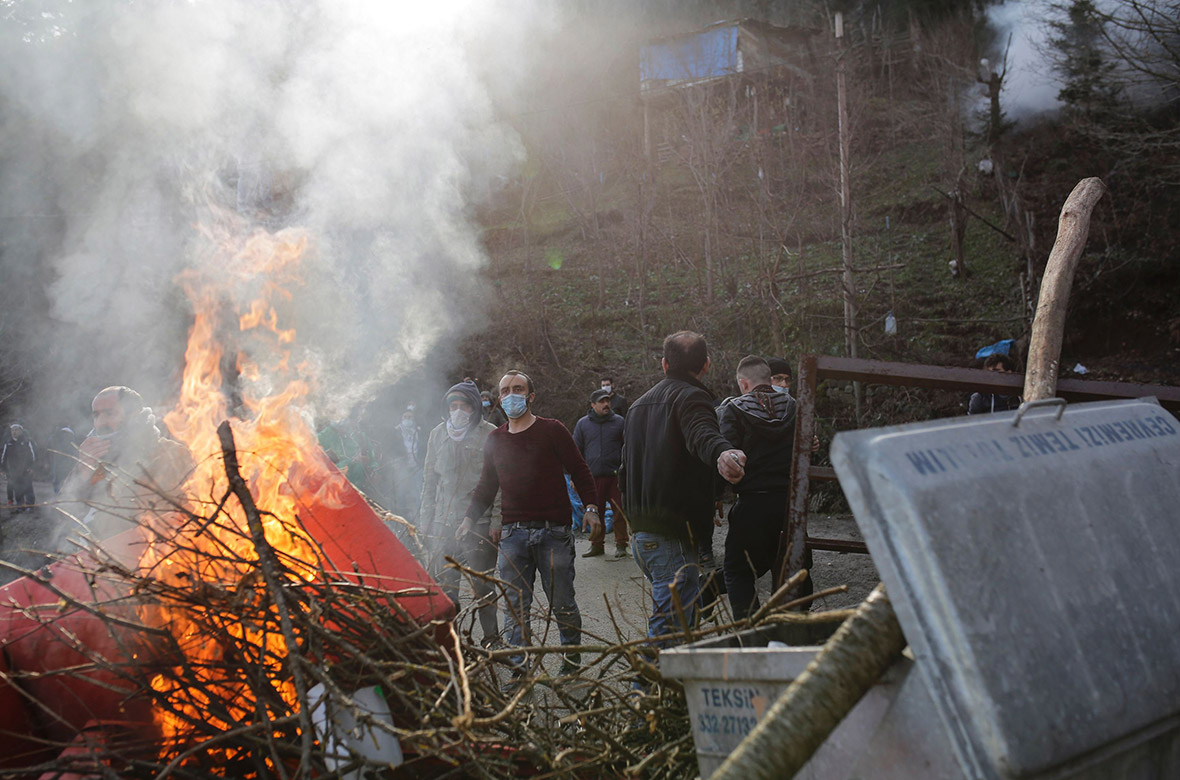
761,421
673,449
599,436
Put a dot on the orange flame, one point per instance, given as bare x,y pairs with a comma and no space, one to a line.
280,460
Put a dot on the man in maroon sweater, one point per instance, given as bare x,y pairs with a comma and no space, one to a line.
526,460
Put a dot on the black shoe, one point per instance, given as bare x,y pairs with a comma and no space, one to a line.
571,665
516,679
594,551
622,552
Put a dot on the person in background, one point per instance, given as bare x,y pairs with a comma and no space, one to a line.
618,404
491,409
407,465
17,459
986,403
672,449
347,447
123,455
63,454
526,461
454,458
780,375
599,436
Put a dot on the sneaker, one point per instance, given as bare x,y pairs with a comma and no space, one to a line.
594,551
622,552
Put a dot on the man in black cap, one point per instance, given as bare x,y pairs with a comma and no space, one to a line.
599,436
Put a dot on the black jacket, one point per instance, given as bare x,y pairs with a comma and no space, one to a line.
671,444
17,458
600,440
761,423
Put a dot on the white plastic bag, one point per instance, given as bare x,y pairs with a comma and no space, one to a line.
343,737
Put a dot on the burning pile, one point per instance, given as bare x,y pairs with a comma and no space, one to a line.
274,596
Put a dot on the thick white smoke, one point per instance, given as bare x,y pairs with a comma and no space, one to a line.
368,122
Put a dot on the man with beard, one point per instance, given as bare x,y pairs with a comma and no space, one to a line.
526,461
599,436
124,448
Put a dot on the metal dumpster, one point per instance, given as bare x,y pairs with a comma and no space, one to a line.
1033,560
730,682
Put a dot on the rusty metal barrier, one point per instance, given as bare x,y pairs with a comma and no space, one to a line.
796,545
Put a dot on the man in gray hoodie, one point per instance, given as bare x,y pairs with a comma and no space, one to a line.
760,422
454,457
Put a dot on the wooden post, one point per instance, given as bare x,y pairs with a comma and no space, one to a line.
1044,349
793,554
851,336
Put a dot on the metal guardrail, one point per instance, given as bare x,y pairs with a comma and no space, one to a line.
796,547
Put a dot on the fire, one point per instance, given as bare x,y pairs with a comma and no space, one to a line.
281,462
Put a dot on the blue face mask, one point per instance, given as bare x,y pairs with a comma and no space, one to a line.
778,389
487,404
514,405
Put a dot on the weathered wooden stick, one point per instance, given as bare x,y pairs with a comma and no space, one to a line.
818,699
1044,349
269,564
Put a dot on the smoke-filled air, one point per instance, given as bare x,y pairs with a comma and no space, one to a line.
140,141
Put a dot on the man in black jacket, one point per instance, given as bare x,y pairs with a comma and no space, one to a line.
761,421
599,436
672,450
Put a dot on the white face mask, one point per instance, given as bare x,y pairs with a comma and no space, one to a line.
459,419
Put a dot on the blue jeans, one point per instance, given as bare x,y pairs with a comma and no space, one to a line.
666,562
525,553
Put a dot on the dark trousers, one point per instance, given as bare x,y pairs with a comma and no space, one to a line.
21,490
755,523
476,552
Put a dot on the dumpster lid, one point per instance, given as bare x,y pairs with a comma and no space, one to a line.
1034,571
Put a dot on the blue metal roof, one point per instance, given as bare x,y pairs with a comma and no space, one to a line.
709,54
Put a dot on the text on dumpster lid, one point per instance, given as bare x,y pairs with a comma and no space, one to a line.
937,460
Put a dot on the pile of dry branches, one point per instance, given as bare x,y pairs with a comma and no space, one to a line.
241,708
